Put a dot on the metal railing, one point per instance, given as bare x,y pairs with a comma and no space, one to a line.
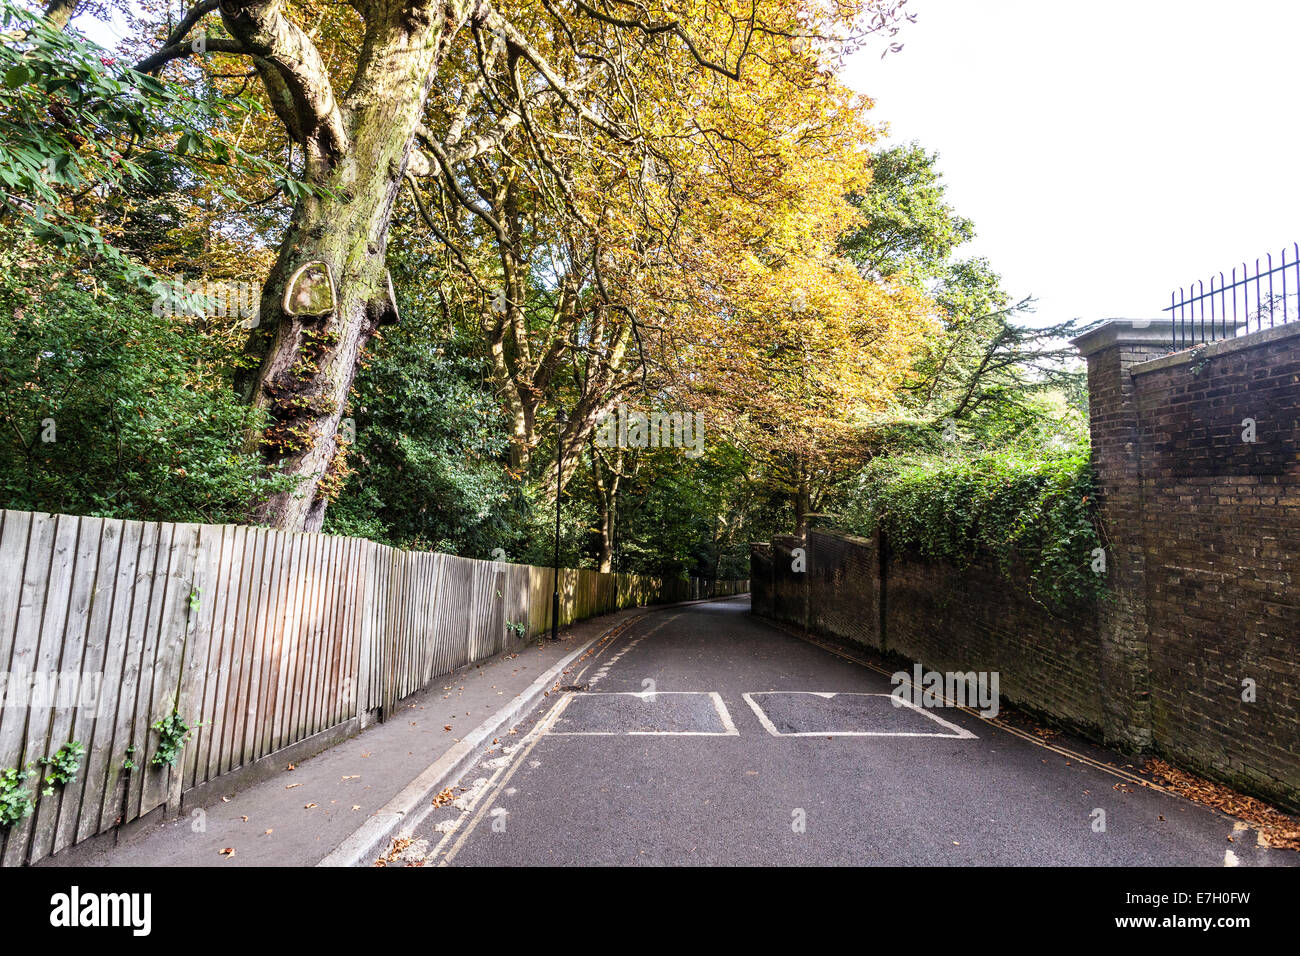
1224,311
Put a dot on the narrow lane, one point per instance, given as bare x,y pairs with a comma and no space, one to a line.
707,736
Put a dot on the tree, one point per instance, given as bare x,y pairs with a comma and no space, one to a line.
76,126
909,230
983,361
409,87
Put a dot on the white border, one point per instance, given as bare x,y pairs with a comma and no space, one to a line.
718,705
960,732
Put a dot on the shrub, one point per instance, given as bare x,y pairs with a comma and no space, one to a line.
1021,510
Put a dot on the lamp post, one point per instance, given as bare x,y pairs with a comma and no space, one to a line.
561,420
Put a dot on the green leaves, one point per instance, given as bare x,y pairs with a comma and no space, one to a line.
73,120
63,766
1027,514
149,426
16,76
16,802
189,142
174,732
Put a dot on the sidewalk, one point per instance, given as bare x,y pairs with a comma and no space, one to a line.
300,815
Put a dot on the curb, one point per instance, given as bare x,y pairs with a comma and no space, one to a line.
412,804
405,811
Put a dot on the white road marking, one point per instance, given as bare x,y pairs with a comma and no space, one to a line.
603,672
958,733
1230,858
729,727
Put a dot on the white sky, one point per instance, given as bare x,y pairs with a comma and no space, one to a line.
1107,151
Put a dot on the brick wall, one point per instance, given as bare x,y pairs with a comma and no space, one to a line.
844,588
974,618
789,595
760,578
946,618
1203,570
1220,533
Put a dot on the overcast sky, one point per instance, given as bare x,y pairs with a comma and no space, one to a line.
1107,151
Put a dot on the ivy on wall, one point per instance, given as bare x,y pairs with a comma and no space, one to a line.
1029,513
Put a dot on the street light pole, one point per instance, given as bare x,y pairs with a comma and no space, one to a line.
560,421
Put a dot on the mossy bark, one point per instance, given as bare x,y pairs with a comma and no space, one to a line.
302,368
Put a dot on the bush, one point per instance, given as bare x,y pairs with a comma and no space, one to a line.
1029,511
109,410
428,468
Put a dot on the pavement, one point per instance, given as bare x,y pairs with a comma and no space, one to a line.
308,810
702,735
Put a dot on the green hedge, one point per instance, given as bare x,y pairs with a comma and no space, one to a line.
1029,512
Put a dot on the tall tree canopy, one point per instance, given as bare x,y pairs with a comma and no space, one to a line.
557,142
565,205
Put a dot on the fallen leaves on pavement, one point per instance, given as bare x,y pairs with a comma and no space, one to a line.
1276,829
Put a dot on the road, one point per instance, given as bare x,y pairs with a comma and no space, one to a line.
707,736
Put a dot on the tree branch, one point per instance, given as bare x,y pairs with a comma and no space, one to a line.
268,34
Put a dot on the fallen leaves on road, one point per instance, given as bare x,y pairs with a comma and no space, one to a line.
308,806
446,727
444,798
269,832
292,785
352,776
228,851
1276,829
245,819
398,846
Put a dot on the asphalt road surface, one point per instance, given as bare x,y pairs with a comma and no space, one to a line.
707,736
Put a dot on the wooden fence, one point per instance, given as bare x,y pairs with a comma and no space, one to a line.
259,639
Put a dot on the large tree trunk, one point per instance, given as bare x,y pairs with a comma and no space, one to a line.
802,508
307,365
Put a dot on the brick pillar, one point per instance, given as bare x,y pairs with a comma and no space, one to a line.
1111,350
